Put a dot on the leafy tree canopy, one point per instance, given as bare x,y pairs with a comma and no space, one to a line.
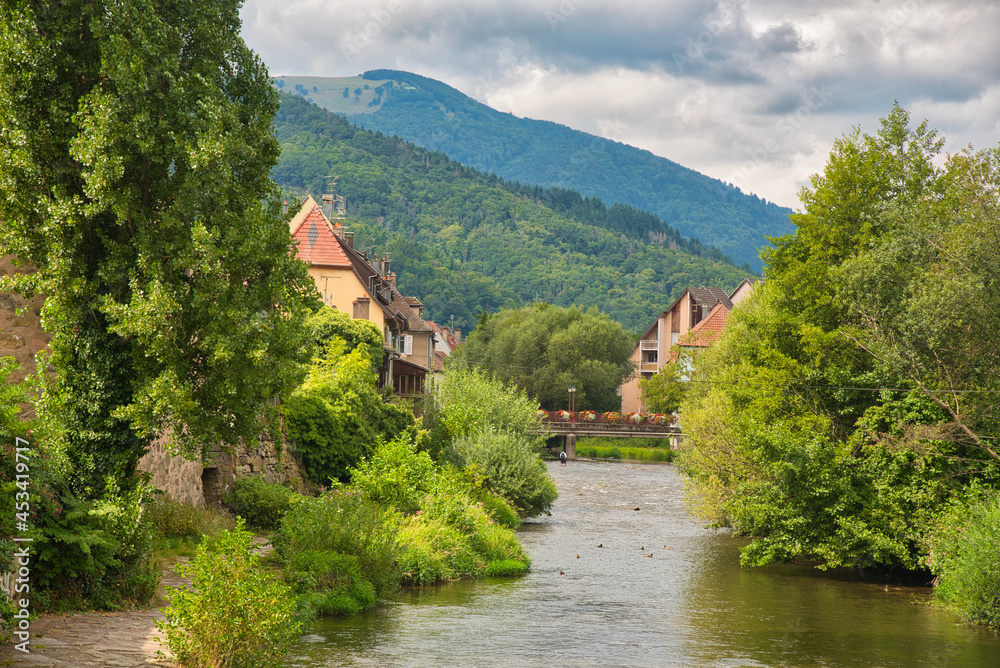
852,395
135,157
545,349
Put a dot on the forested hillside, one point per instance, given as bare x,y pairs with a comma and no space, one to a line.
434,115
464,242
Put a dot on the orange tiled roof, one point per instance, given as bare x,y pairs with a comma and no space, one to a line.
707,331
317,244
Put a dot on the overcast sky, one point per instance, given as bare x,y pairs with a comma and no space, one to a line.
753,93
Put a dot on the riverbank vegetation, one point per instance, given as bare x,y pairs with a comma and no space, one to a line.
634,449
848,413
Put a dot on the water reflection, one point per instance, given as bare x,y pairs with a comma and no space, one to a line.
623,577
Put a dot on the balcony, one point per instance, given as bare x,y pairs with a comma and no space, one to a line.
649,367
649,345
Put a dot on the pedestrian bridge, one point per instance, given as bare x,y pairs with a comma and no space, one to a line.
587,423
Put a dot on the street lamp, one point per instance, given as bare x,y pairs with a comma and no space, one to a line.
572,402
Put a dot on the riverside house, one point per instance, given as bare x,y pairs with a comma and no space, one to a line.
694,321
365,288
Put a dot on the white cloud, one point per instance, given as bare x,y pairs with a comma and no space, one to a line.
752,93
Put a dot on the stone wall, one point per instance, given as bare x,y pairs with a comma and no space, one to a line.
21,333
203,482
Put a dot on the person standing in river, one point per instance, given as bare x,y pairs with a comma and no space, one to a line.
562,458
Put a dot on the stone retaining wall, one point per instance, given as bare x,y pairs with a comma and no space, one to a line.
21,333
204,482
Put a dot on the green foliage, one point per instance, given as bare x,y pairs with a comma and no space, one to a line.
447,532
338,415
432,114
842,408
93,554
965,555
664,391
135,150
235,615
624,452
339,552
509,466
544,349
328,324
466,241
492,431
469,400
260,504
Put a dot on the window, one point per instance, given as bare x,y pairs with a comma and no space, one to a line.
408,344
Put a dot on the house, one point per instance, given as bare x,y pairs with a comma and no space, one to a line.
417,354
364,288
694,321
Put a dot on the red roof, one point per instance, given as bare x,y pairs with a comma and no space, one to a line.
707,331
317,244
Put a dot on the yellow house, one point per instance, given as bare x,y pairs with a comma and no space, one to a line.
345,279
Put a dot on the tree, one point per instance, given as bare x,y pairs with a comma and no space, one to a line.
135,151
852,396
664,391
338,415
545,349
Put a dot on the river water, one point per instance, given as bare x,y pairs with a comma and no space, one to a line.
622,576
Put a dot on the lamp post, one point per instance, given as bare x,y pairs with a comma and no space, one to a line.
572,402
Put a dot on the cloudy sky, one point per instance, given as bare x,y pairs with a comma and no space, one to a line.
753,93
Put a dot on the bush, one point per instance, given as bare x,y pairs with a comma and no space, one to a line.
235,615
94,554
509,466
449,532
318,438
261,504
174,519
339,551
965,555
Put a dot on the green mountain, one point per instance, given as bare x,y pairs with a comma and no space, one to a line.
436,116
464,241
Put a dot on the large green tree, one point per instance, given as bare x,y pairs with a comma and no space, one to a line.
136,144
852,396
546,349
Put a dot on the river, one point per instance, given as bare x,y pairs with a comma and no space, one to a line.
622,576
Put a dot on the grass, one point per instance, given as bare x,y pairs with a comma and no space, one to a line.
181,527
638,449
329,93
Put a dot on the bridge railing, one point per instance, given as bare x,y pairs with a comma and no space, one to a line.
610,418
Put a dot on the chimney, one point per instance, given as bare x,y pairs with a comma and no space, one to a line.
338,229
349,239
284,207
392,280
458,335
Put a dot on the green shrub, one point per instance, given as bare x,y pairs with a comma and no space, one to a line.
94,554
497,508
509,466
174,519
449,531
631,453
965,555
319,438
261,504
339,550
235,615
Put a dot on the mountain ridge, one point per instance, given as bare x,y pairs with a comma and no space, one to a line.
464,241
